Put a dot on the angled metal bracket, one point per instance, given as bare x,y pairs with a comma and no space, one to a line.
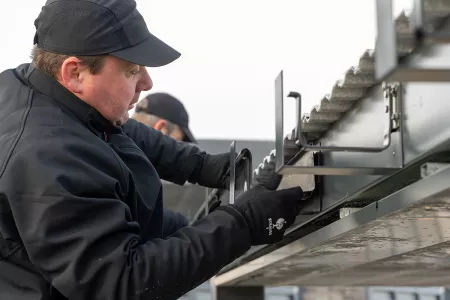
245,157
297,142
390,93
389,66
232,171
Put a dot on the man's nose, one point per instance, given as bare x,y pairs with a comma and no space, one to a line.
145,83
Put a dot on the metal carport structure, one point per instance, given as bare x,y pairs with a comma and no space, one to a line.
374,154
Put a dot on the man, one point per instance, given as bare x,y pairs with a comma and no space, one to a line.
81,214
165,113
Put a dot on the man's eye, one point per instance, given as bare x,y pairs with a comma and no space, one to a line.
135,70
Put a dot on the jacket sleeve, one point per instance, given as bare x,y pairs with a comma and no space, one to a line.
174,161
173,221
83,239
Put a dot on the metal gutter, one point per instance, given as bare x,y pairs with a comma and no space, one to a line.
394,241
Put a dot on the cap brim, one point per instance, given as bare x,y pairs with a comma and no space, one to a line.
188,136
152,52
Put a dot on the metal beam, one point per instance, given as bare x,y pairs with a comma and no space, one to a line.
405,232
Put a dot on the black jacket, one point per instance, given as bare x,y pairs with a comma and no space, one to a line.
81,212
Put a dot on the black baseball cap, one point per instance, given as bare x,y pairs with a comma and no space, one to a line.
167,107
96,27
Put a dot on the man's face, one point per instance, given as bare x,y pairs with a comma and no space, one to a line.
112,91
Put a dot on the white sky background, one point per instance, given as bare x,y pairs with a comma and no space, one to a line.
231,53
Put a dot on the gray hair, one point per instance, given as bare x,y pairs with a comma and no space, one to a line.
151,120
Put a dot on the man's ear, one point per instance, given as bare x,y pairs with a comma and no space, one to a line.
161,125
71,75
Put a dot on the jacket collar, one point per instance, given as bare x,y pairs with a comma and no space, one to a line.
51,88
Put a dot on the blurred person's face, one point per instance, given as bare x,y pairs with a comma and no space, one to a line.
174,131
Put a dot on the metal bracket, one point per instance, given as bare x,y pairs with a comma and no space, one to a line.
388,65
245,156
390,94
232,171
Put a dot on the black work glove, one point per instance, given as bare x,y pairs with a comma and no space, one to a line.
268,178
213,172
265,174
268,213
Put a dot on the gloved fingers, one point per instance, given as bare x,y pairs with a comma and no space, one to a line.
270,179
267,164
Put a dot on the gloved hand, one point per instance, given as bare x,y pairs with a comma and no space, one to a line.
265,173
268,213
213,171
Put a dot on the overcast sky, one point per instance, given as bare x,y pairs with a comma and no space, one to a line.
231,53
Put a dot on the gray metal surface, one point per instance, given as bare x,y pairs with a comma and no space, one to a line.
349,116
395,241
425,19
337,170
359,79
244,157
386,55
232,172
279,128
361,107
424,104
306,181
389,97
359,127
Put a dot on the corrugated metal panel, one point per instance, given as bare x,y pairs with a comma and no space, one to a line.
358,79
